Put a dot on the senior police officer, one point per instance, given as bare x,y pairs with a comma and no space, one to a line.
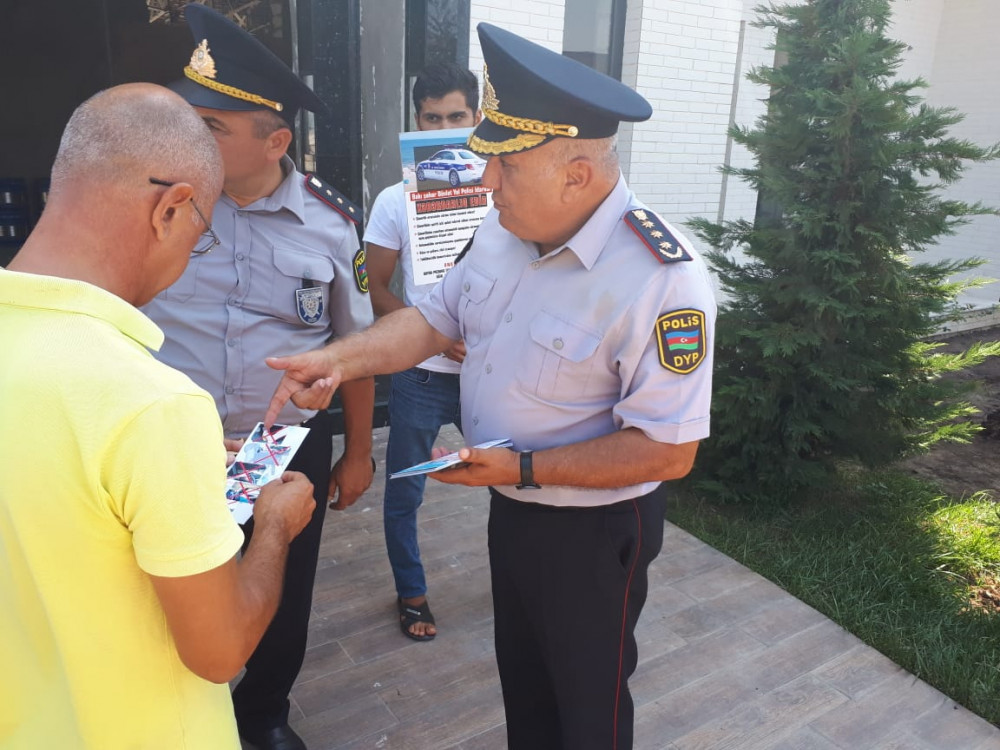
287,274
588,323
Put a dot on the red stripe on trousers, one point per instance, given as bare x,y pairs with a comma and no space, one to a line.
621,640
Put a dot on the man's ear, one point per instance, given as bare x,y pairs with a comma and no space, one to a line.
578,175
478,117
278,143
167,211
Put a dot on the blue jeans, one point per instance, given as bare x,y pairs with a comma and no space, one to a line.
420,403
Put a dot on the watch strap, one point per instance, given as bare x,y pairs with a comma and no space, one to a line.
527,473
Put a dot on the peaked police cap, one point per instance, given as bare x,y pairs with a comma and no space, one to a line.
532,95
232,70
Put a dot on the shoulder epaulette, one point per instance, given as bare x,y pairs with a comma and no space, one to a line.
332,198
654,233
465,250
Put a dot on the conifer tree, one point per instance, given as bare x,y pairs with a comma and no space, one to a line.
821,350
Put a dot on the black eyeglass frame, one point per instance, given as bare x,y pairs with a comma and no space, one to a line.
208,225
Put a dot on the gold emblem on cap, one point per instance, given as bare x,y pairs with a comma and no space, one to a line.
201,60
490,100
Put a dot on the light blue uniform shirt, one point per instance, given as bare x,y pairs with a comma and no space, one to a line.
237,304
565,347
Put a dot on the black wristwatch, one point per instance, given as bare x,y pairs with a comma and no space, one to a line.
527,473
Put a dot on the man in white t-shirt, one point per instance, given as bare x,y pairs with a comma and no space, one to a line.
424,397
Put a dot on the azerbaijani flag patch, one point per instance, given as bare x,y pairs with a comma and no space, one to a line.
680,336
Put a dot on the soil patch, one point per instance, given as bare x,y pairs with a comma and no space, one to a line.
986,596
963,469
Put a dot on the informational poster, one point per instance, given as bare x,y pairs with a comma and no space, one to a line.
445,198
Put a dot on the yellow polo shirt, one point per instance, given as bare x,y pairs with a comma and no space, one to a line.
111,468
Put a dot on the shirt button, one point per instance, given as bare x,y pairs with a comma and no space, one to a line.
230,390
489,369
557,344
231,302
534,264
466,286
240,256
231,342
508,317
475,420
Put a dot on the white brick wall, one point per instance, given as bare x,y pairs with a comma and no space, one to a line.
630,74
681,57
917,22
541,21
966,75
740,200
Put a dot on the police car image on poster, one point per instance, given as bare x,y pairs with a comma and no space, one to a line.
445,198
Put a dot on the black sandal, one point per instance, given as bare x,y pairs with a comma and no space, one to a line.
410,614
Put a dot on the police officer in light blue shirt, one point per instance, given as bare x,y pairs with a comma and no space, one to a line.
282,270
588,323
283,277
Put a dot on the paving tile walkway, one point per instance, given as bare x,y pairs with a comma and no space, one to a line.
727,659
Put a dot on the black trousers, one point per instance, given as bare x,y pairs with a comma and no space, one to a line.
261,697
568,587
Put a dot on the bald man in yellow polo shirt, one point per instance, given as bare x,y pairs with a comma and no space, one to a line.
123,610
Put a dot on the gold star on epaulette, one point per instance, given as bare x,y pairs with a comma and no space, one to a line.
656,236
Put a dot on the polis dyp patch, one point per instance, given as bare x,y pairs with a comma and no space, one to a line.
361,271
680,336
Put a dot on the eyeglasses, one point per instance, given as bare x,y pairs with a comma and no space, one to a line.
209,239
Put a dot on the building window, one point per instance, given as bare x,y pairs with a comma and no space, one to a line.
594,34
437,31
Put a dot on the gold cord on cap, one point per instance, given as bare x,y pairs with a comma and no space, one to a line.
520,143
201,70
231,90
529,125
491,110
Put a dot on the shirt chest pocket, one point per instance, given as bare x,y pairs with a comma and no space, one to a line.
558,362
476,289
275,291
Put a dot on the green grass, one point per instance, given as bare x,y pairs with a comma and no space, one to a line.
891,560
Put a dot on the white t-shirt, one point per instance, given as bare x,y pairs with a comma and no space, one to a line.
387,227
